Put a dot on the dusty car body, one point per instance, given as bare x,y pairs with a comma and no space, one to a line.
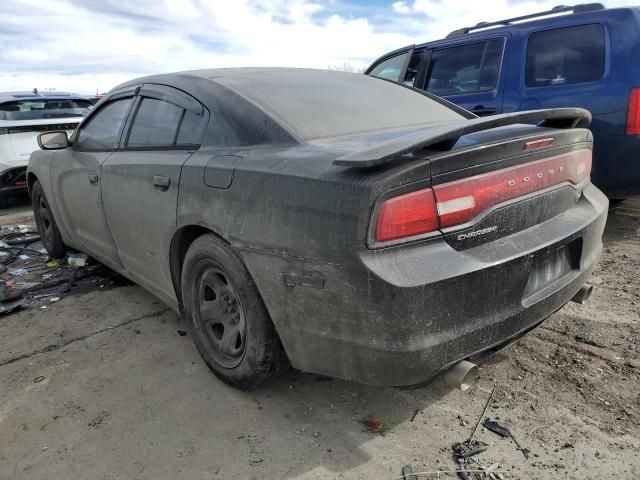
342,223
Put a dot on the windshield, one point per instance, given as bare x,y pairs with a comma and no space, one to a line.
42,108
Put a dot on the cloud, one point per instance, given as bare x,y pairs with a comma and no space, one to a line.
401,8
82,45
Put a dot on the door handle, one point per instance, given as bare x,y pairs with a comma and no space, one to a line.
161,182
481,110
93,179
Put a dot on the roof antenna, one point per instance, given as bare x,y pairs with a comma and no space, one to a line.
35,91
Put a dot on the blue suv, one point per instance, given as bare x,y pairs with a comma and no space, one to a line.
580,56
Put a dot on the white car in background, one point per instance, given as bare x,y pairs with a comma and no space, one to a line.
23,116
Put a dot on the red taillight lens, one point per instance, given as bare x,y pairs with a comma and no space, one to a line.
407,215
462,200
454,203
633,112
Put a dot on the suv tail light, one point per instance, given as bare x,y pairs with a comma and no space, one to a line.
454,203
633,112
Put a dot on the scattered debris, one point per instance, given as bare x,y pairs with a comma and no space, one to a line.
484,411
375,426
38,379
415,413
469,448
464,451
10,306
182,333
28,281
495,427
408,473
588,341
77,259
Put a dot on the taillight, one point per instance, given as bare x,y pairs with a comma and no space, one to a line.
407,215
633,112
462,200
454,203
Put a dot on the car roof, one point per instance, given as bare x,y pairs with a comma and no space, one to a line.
311,103
493,28
14,96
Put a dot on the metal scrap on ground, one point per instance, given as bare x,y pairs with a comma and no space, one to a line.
28,277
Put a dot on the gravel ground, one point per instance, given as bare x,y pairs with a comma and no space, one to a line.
102,385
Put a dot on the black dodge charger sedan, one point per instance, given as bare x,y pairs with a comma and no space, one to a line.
338,223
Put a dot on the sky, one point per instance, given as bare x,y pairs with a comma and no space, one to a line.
86,46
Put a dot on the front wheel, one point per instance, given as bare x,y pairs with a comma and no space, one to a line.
226,316
47,226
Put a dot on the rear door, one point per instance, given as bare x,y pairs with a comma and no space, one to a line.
140,182
468,74
76,177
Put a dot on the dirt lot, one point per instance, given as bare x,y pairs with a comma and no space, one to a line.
101,385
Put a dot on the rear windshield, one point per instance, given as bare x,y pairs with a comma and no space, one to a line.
316,104
42,108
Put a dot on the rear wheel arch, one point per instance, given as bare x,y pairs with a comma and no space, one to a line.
182,240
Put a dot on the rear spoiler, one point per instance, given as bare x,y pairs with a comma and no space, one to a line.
444,137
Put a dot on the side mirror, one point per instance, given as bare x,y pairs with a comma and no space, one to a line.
53,140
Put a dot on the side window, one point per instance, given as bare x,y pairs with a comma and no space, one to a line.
465,69
391,68
565,55
103,130
189,133
155,124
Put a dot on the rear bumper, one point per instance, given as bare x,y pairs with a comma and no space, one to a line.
399,316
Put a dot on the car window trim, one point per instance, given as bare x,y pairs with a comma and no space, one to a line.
126,93
156,94
173,96
422,71
607,56
485,40
405,65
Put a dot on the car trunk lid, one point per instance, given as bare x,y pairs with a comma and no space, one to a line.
487,184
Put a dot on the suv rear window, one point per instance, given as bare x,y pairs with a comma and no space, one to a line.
44,108
565,55
465,69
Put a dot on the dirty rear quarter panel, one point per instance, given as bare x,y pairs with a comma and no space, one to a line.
397,316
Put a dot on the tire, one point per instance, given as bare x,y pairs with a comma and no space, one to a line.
46,223
226,316
4,201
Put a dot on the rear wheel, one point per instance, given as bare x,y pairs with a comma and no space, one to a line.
47,226
226,316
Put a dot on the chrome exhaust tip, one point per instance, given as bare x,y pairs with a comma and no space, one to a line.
583,294
461,375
